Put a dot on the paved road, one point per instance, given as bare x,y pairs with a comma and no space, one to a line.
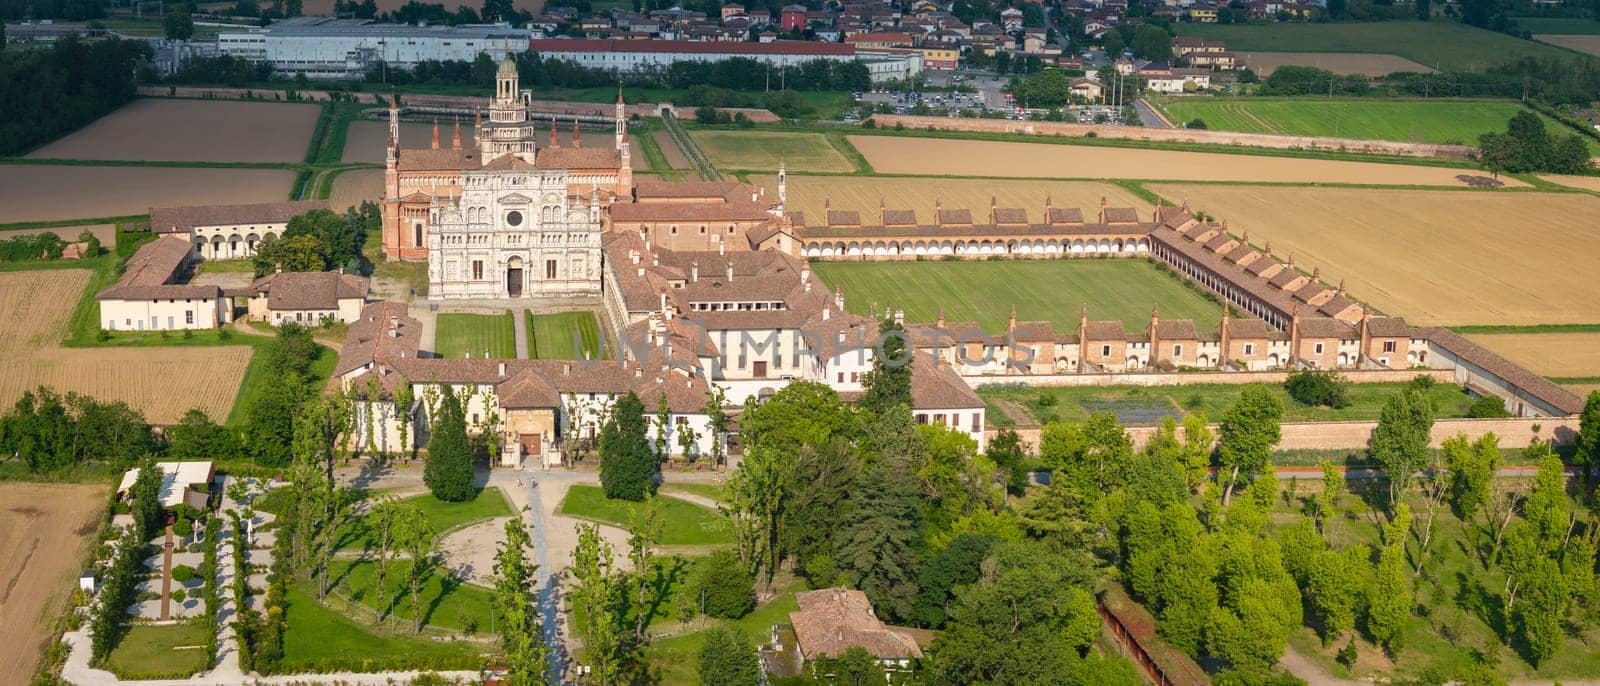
521,331
546,582
1149,116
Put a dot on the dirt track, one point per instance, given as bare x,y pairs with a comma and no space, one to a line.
44,531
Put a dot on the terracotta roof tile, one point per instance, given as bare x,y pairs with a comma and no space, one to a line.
182,219
1539,387
310,290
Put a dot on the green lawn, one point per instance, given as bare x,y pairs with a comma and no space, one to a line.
247,266
446,602
489,502
321,639
763,150
676,657
552,336
712,491
160,652
1457,122
255,376
469,335
1041,290
1141,405
683,523
1439,44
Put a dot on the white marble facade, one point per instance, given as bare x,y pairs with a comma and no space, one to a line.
513,233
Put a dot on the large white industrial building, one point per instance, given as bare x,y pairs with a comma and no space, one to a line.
629,56
327,48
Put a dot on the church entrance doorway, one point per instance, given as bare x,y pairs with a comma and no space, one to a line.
514,277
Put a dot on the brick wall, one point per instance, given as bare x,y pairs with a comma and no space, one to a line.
1513,433
1258,140
1194,378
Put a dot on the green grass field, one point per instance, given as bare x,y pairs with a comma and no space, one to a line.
160,652
762,150
1438,44
1148,405
683,523
468,335
321,639
446,602
1559,26
489,502
1053,290
677,656
1458,122
551,336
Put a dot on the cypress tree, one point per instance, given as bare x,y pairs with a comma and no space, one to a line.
448,471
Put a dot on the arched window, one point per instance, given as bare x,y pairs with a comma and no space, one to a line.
417,239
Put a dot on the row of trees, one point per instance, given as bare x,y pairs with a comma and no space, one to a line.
44,246
67,86
119,580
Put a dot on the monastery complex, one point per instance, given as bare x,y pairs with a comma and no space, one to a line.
704,290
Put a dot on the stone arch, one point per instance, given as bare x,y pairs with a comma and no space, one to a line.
1202,361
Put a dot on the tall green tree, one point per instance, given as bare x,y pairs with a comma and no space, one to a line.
644,532
526,657
627,463
811,514
421,543
1400,442
1587,446
594,591
448,470
145,496
1249,431
888,383
879,541
727,658
1389,599
178,25
754,501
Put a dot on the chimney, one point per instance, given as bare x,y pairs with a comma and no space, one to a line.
838,298
1316,273
1011,325
502,367
566,369
694,272
730,272
940,323
883,209
1102,209
900,317
991,209
1222,333
277,268
722,246
1291,260
825,312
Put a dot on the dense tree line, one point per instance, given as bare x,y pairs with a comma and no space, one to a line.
320,240
52,91
269,427
1526,146
68,10
51,432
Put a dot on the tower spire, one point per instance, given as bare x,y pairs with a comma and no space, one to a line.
435,134
455,139
577,139
554,142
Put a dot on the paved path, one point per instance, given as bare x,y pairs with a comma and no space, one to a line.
1150,116
520,326
523,487
166,577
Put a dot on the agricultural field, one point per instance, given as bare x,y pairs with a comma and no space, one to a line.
1371,64
1434,257
193,131
910,155
762,150
107,233
352,187
45,532
551,336
366,140
1558,25
1587,43
469,335
1586,183
1046,290
1438,44
50,193
1548,354
669,149
809,194
162,382
1457,122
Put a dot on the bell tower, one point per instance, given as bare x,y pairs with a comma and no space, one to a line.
508,129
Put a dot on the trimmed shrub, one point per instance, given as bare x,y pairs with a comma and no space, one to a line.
1317,388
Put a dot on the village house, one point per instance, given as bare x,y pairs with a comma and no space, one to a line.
154,292
829,622
308,298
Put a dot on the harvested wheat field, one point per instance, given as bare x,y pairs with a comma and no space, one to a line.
107,233
366,141
1548,354
353,186
809,193
1586,183
1582,389
763,150
49,193
1371,64
161,382
1435,257
45,532
1588,44
908,155
193,131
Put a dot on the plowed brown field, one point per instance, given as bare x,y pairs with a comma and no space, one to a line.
162,382
356,185
1581,43
1371,64
808,194
45,530
1435,257
365,141
906,155
193,131
49,193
